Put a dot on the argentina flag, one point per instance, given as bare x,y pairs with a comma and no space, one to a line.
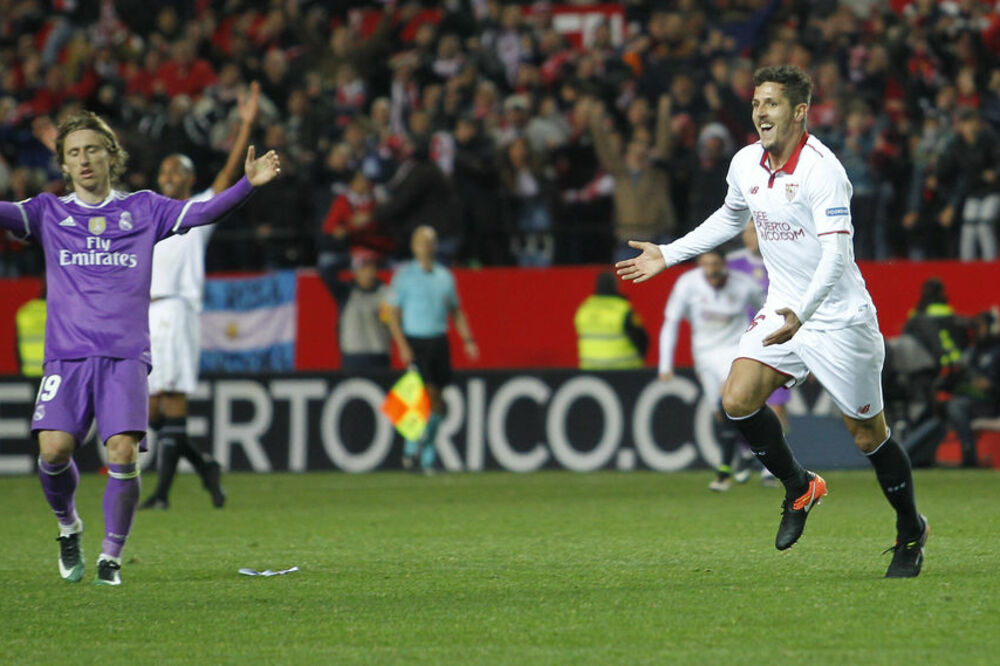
249,324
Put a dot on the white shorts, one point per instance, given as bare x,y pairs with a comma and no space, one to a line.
174,336
712,370
846,361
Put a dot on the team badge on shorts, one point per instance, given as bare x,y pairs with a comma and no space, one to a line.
125,221
791,189
97,225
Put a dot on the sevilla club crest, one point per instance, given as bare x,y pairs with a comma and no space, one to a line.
791,189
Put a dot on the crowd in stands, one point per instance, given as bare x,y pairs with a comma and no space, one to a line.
521,140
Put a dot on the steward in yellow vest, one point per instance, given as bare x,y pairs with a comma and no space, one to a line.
610,334
30,320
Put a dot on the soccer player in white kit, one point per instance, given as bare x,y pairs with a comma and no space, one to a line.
715,303
818,316
174,325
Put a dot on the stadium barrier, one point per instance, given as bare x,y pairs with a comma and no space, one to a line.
523,318
519,421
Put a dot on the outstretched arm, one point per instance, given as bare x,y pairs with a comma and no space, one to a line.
259,171
721,225
247,107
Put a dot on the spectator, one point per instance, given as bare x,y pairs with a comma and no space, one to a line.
419,195
643,210
970,165
527,189
349,227
476,183
361,330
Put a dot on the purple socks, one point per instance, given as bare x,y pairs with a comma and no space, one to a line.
59,484
121,496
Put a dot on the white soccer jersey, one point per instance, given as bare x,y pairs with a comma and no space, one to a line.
179,263
792,209
718,317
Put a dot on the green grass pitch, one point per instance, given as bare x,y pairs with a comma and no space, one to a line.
499,568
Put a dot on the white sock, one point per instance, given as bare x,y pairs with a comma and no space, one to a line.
75,528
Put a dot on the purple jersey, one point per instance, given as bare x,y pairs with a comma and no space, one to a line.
750,264
98,263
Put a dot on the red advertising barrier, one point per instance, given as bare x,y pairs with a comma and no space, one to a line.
523,318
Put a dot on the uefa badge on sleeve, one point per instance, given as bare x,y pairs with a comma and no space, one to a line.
97,225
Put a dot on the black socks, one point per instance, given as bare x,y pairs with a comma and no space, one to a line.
763,433
892,467
173,441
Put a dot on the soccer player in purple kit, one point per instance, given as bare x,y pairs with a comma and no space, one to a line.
98,245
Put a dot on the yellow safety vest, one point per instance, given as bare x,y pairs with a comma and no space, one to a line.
31,336
600,328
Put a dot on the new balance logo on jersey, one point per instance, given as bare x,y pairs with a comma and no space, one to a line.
68,222
754,189
864,410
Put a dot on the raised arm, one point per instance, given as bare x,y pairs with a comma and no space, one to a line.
247,109
259,171
611,161
664,146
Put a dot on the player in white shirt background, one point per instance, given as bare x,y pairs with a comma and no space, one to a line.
174,311
818,316
715,302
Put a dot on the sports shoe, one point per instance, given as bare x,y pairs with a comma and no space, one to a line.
213,486
154,502
742,476
108,572
720,485
908,557
409,463
794,512
70,557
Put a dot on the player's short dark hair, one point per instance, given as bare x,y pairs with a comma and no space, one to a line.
87,120
797,84
717,251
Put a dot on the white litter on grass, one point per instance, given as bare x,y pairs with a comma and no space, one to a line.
267,572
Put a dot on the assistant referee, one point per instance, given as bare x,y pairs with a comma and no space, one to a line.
422,295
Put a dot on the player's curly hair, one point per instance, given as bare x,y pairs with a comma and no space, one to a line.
798,86
87,120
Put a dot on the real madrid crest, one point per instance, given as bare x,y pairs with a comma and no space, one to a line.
791,189
125,221
97,225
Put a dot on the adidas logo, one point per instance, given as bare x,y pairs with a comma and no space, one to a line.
68,222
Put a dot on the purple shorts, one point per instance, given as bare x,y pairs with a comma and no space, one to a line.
74,393
780,397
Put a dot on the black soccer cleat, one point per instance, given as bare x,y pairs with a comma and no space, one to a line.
908,557
213,486
108,572
795,511
70,557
